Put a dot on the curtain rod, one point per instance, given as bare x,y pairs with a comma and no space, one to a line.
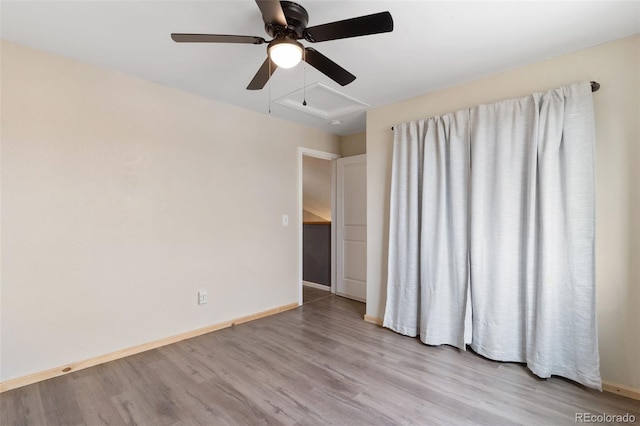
595,86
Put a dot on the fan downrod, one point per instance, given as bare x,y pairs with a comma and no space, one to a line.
297,19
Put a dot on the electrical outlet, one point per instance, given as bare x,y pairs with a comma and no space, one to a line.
203,297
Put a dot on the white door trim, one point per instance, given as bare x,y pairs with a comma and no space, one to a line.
325,156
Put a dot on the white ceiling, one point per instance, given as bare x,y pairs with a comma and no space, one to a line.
435,44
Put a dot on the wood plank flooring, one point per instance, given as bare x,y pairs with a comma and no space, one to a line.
312,294
315,365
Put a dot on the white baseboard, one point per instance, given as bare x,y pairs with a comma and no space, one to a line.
316,285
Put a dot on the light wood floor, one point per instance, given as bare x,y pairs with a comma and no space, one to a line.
318,364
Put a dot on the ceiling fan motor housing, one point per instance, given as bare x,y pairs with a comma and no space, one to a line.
297,19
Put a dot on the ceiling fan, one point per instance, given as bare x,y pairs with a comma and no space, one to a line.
286,22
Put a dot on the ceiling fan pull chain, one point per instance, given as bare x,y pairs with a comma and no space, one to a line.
269,59
304,78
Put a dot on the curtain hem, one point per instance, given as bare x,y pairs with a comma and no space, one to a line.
539,370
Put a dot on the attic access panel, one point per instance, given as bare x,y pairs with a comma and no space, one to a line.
322,102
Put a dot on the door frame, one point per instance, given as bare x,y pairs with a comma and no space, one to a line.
325,156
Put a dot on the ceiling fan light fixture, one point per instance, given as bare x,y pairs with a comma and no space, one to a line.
285,53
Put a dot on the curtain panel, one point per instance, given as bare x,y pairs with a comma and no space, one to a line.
492,232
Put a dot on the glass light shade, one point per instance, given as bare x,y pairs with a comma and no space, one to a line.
286,54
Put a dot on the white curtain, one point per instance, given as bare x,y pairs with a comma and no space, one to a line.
428,266
497,202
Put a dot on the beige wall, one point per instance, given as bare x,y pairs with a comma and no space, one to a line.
316,189
617,106
307,216
355,144
122,198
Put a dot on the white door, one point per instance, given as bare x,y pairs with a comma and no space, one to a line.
351,221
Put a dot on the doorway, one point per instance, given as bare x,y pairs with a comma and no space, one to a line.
317,232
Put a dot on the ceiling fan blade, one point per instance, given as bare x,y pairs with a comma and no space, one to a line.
272,12
263,75
328,67
355,27
216,38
